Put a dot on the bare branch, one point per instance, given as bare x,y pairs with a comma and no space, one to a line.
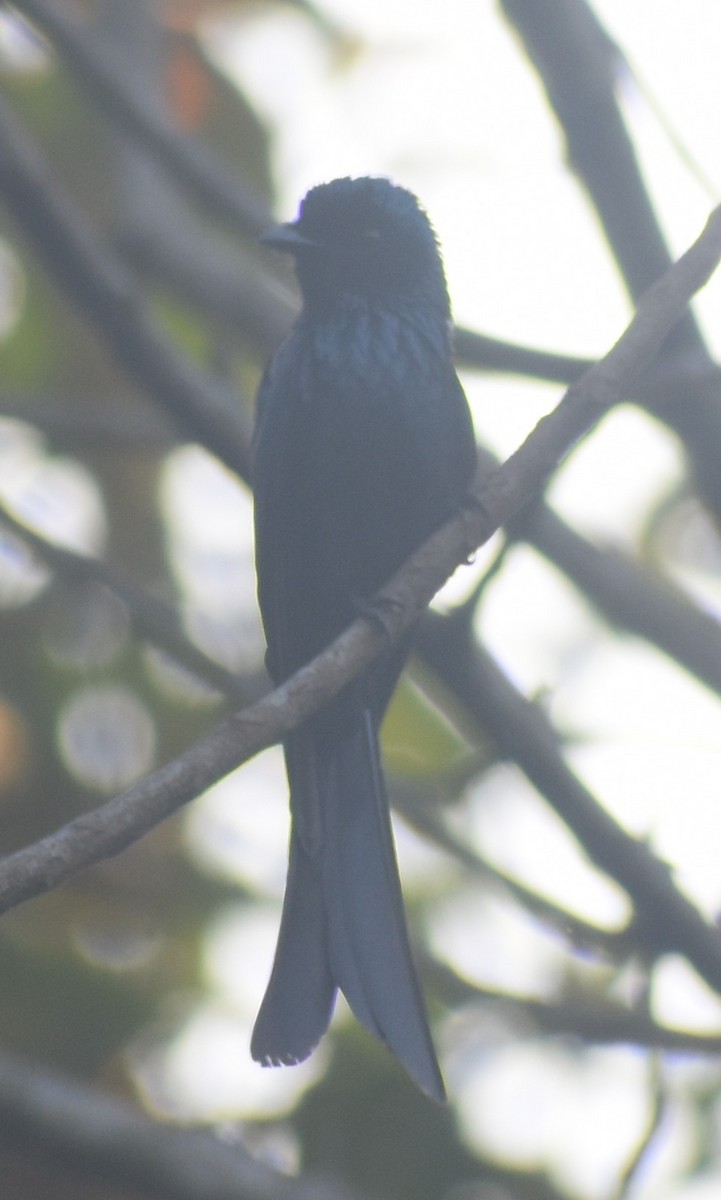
80,424
119,822
665,921
150,617
578,65
89,272
212,182
629,595
426,819
597,1020
99,1136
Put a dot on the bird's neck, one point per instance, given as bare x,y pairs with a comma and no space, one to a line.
369,341
351,315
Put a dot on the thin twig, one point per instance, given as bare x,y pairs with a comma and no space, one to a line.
659,1105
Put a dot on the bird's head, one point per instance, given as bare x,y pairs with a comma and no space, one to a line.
366,238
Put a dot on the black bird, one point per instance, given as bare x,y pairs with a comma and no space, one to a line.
363,447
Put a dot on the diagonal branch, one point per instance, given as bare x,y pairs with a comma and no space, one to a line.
578,65
628,594
115,825
426,819
98,68
665,920
150,617
98,283
518,728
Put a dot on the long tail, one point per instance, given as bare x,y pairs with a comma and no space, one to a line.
343,924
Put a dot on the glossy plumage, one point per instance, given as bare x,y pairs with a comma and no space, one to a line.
363,447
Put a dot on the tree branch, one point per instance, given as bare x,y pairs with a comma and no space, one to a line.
98,1135
220,189
600,1021
427,819
150,617
578,65
627,594
116,824
520,730
92,275
79,423
666,921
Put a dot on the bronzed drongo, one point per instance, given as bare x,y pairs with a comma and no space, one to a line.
363,447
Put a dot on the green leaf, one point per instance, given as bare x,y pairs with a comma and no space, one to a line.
418,737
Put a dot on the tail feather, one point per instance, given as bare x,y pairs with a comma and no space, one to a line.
300,997
368,948
343,923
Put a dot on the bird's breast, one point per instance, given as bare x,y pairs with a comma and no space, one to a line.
370,347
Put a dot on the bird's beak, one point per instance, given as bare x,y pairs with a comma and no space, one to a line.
286,238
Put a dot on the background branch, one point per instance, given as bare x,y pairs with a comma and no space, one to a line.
100,1137
151,618
666,921
97,67
580,66
201,406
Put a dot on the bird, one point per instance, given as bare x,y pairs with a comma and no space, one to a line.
363,446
